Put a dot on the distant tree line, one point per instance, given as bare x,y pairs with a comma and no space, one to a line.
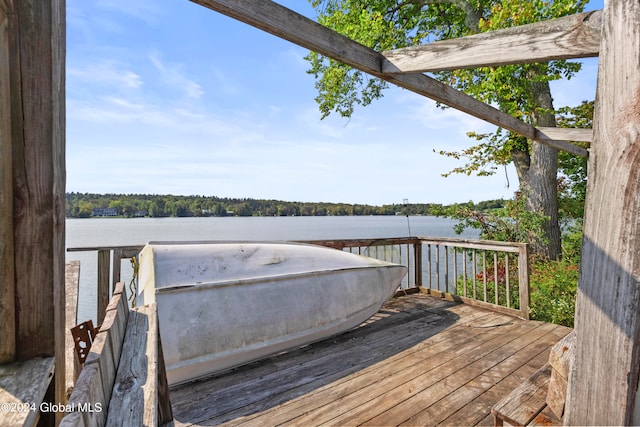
85,205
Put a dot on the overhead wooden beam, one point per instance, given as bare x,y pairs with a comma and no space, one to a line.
575,36
603,382
289,25
567,134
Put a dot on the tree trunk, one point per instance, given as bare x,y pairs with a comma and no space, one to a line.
537,173
543,178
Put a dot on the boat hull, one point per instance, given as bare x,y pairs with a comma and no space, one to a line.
221,305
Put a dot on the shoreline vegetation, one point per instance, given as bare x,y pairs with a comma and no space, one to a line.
88,205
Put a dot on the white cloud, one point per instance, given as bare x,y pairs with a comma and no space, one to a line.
173,74
106,72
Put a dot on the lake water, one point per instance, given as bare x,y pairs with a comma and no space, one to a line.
119,232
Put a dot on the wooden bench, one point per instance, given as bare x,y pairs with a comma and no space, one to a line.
123,381
540,399
527,404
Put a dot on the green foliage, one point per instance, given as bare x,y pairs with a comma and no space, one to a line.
391,24
81,205
573,181
510,223
553,291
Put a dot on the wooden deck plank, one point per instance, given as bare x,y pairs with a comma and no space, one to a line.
398,405
415,346
366,381
462,396
275,376
475,412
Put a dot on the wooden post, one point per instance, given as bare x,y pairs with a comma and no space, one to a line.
417,261
7,278
604,379
34,156
104,258
523,280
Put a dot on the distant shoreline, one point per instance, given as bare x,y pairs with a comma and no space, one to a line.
91,205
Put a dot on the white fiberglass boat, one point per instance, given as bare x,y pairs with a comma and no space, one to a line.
225,304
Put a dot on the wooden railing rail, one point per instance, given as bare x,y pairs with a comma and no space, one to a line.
479,272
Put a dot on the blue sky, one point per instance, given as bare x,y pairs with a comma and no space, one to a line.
167,97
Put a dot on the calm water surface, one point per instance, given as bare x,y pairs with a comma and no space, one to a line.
118,231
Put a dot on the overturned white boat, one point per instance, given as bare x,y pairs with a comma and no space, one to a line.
221,305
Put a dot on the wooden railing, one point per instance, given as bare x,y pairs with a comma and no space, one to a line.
479,272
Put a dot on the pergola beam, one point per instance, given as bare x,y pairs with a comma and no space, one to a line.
568,134
289,25
574,36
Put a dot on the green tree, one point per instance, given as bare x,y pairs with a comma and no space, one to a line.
520,90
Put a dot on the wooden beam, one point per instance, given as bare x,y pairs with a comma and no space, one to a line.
289,25
7,278
604,378
575,36
567,134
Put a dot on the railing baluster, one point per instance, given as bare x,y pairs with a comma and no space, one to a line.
429,266
455,271
484,275
464,272
475,273
446,268
438,266
495,275
506,279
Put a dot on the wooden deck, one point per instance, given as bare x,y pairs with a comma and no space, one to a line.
419,361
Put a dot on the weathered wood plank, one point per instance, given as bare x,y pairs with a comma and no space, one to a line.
260,394
604,379
37,139
392,395
88,397
282,22
460,397
134,398
567,134
22,388
72,282
92,392
365,376
575,36
474,412
7,278
37,143
310,369
525,402
414,396
104,258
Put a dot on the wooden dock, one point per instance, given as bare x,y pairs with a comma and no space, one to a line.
420,361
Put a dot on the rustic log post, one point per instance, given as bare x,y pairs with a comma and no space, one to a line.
33,155
604,378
